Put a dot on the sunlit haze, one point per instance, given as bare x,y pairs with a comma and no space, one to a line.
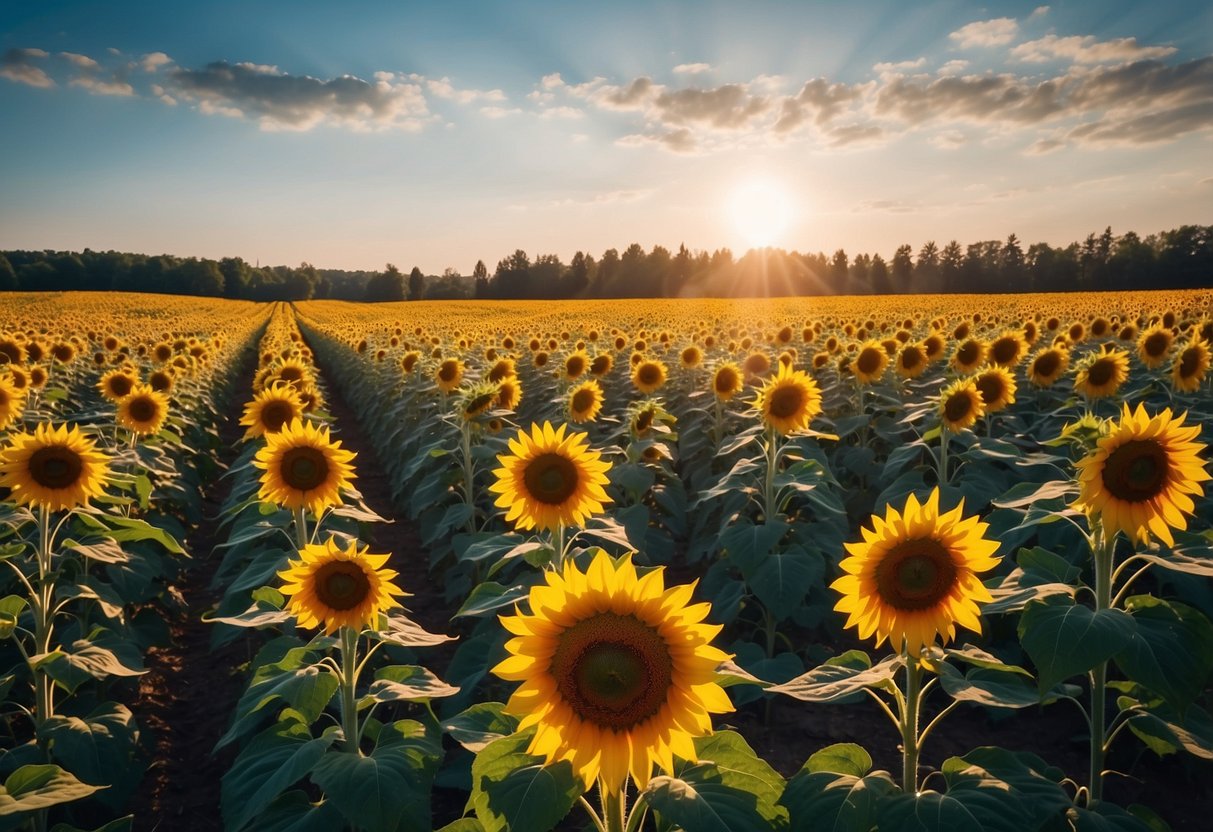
350,135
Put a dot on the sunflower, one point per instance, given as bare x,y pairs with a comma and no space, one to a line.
12,402
690,357
549,479
911,361
870,363
961,404
914,575
970,355
648,375
1190,367
997,386
504,368
477,399
303,468
1048,365
575,365
789,401
271,409
585,401
117,384
602,364
53,467
1153,345
449,374
618,672
1100,374
143,411
162,380
1007,349
509,393
1141,474
339,587
726,381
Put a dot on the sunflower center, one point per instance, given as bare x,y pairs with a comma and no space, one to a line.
911,357
991,388
868,361
480,403
1156,344
447,371
1101,372
575,366
968,353
726,380
1005,351
143,409
915,574
1047,364
120,386
957,407
551,478
1136,471
613,670
341,585
276,414
786,402
649,374
583,400
305,468
1189,361
55,466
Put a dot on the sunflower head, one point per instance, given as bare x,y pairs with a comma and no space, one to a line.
789,401
12,402
970,355
648,375
117,384
303,468
449,374
1048,365
617,671
602,364
585,402
271,410
54,468
912,361
961,404
575,365
1100,374
1191,366
477,400
1154,344
1142,475
914,576
690,357
333,587
509,393
550,479
726,381
870,362
143,411
1007,349
997,387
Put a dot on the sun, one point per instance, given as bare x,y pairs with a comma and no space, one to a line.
761,210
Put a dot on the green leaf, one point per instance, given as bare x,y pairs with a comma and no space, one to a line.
388,789
998,785
980,658
33,787
748,545
11,607
490,596
835,682
841,758
119,825
124,529
1171,651
307,689
513,790
728,788
1164,730
820,800
924,812
404,632
408,683
464,825
1182,562
273,762
99,749
1065,640
295,812
729,673
87,660
983,686
782,579
480,725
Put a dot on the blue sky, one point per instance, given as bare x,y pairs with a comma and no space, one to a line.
350,135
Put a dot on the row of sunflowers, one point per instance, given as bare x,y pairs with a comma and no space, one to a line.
107,418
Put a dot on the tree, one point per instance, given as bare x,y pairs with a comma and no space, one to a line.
838,271
480,274
198,277
1011,264
927,269
878,275
386,286
8,275
903,268
416,284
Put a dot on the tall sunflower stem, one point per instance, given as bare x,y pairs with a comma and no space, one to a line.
469,474
614,805
301,537
558,545
1102,552
909,727
768,487
43,621
349,681
945,438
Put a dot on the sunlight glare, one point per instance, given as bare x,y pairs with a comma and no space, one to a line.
761,211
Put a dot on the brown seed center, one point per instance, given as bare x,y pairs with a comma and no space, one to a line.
55,467
551,478
786,402
957,407
915,574
341,584
304,468
276,414
1136,471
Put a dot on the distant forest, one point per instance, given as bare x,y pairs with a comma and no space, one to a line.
1180,258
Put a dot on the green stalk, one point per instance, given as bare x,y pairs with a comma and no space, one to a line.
1101,549
768,488
909,727
44,691
469,474
349,680
945,437
613,805
301,538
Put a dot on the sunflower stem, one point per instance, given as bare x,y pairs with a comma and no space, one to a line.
469,474
909,727
301,528
1102,552
349,680
613,807
768,488
945,438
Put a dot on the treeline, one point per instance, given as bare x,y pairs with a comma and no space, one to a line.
1179,258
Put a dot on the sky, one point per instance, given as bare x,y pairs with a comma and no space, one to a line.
353,134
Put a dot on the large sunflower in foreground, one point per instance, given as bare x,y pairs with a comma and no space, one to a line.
789,401
271,410
53,467
617,672
143,410
1141,476
303,468
913,577
550,479
337,587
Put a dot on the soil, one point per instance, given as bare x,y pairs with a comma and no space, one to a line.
188,697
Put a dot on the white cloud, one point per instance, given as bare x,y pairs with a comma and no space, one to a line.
100,86
499,112
953,68
692,69
154,60
949,140
18,65
994,32
1039,11
81,61
443,88
561,112
900,66
1087,50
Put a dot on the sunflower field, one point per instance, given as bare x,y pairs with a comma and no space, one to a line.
894,563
